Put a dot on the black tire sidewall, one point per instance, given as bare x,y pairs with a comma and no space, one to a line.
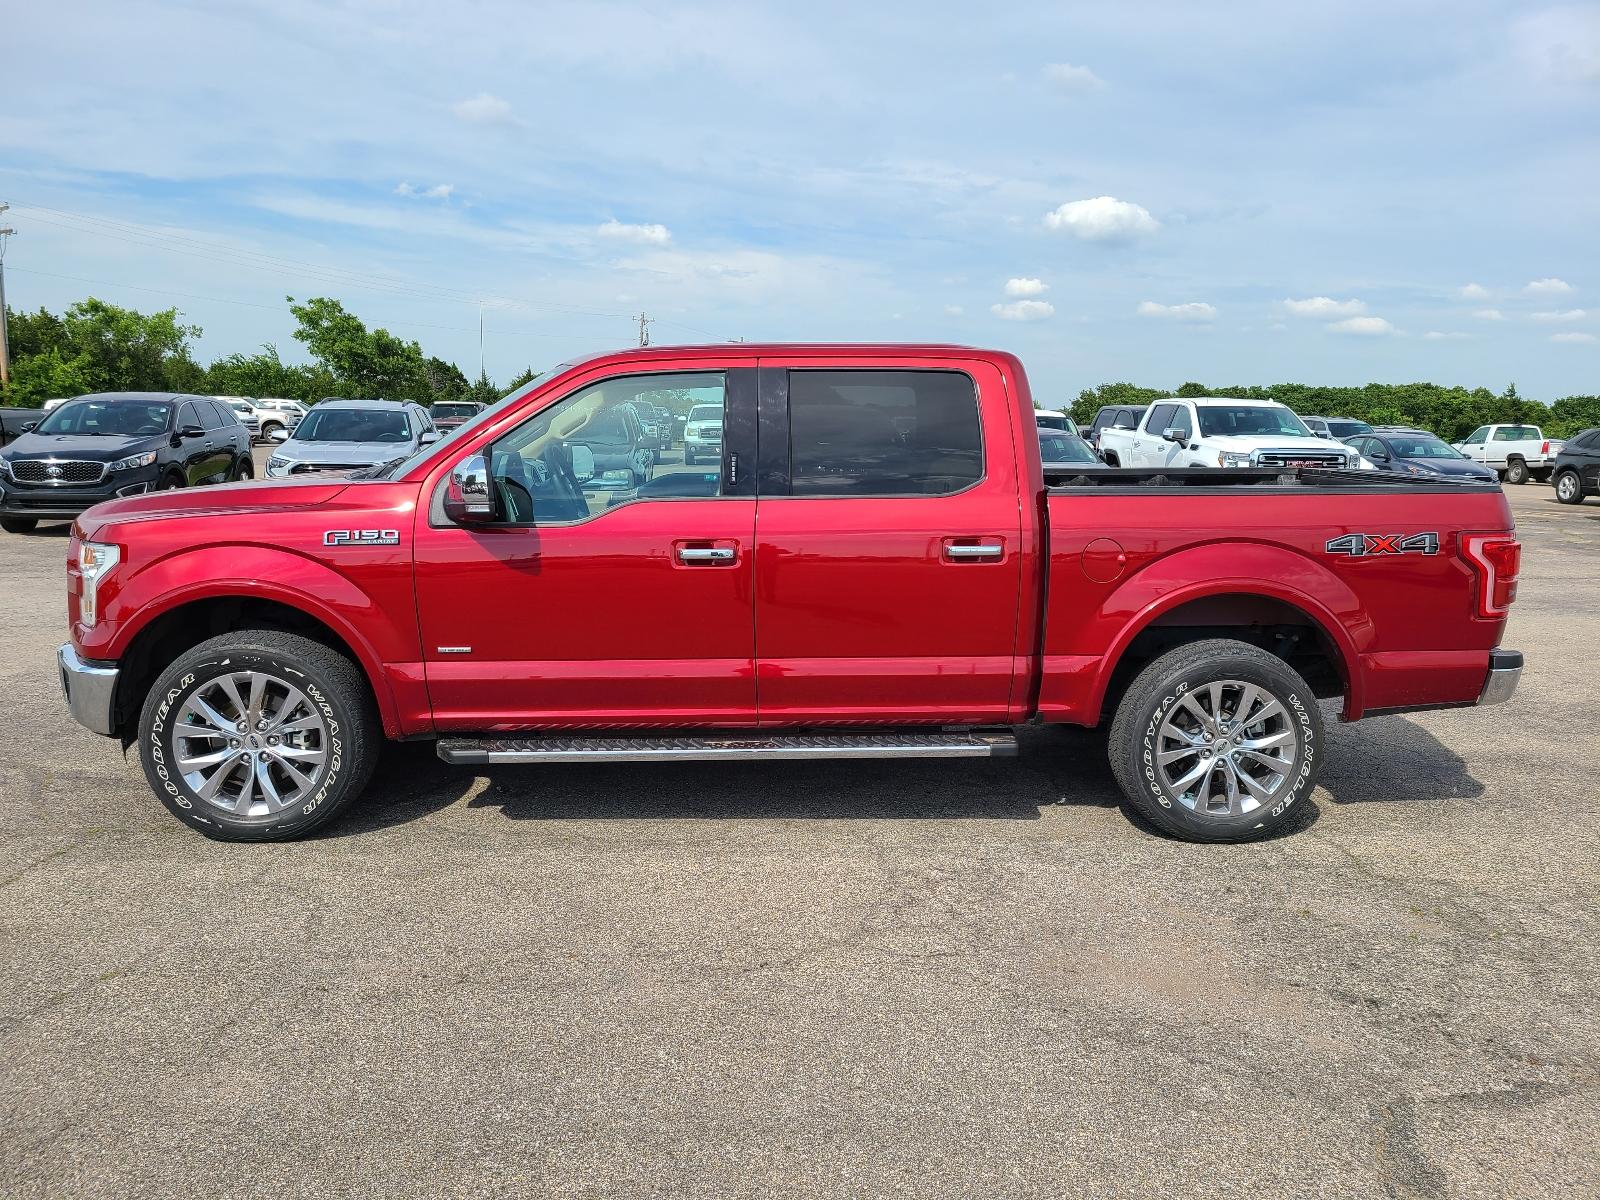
165,701
20,524
1516,472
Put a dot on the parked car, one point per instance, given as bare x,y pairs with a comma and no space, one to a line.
245,410
1221,431
1049,418
1517,452
1113,416
1337,429
348,435
449,414
656,422
702,434
14,422
54,403
118,444
913,589
1062,450
1416,452
276,413
1577,469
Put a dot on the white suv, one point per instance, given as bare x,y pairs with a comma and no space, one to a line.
1518,452
276,414
1220,431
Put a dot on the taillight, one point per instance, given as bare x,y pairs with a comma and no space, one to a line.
1496,559
1545,449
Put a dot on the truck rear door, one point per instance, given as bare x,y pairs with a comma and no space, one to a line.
888,542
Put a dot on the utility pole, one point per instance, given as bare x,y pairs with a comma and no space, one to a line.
5,341
482,373
644,330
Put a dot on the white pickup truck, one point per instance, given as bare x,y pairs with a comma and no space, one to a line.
1219,431
1518,452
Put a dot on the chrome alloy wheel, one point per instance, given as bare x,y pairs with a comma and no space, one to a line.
1226,749
250,744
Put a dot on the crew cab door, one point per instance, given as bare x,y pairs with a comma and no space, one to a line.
888,553
599,595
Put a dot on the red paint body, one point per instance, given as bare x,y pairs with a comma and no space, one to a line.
833,611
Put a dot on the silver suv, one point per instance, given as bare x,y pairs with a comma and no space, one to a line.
347,435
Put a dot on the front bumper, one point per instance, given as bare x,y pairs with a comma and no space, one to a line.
90,688
46,501
1505,672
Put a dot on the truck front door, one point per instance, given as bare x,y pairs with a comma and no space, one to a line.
611,589
888,556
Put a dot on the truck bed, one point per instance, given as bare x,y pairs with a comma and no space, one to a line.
1101,479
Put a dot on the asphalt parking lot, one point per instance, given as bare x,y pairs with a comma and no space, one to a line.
844,979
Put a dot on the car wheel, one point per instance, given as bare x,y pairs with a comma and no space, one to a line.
688,459
243,469
1215,741
1516,471
270,428
258,736
18,524
170,481
1569,488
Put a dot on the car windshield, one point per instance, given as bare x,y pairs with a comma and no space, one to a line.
449,412
1061,447
1422,447
1250,420
113,418
705,412
1344,428
353,425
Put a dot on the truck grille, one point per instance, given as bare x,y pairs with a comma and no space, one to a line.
313,468
1300,458
57,470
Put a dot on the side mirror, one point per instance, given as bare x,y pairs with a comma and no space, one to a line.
468,497
1378,456
582,463
28,426
1175,434
428,438
191,431
278,435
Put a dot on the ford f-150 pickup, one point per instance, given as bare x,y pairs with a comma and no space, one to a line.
877,564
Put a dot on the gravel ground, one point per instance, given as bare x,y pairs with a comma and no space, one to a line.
866,979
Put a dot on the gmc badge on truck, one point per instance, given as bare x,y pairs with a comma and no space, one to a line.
361,537
1371,545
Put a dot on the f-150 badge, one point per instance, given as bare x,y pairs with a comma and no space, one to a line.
361,537
1374,545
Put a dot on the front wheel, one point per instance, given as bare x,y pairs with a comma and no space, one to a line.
258,736
1215,741
243,469
1516,471
270,428
1569,488
18,524
171,480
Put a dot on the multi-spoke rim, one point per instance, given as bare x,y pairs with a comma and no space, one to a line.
1226,749
250,743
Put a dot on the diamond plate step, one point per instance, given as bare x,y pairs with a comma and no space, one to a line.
778,746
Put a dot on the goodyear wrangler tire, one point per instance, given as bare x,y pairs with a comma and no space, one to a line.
1217,741
258,736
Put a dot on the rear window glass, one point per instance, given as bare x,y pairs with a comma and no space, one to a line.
1516,433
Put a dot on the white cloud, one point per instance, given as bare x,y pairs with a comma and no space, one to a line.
1489,314
483,109
439,191
1433,335
1575,339
1474,291
1571,314
1023,310
1363,326
1102,219
648,235
1549,287
953,310
1026,286
1196,310
1069,78
1324,306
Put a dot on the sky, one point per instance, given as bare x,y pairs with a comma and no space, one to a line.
1247,193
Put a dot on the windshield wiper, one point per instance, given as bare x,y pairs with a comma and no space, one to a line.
380,471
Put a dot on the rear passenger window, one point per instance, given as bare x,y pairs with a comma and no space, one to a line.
883,433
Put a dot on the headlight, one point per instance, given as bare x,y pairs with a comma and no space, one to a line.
1233,460
277,464
1413,469
5,467
147,459
95,560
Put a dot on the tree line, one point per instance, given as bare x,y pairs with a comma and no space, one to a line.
100,347
1450,412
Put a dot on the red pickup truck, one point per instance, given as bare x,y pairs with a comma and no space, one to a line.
878,566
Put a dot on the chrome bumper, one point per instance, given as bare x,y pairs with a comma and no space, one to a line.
1505,671
90,689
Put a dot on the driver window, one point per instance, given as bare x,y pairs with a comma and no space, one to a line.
607,444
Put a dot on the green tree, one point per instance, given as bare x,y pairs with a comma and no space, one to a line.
370,363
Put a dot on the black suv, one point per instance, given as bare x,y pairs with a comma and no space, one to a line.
1114,416
1577,470
115,444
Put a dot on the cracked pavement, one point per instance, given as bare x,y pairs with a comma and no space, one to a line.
845,979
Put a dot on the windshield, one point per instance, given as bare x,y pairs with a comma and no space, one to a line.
353,425
706,412
449,411
1061,447
1422,447
1250,420
125,418
1340,428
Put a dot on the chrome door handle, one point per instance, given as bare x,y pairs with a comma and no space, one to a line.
974,553
705,554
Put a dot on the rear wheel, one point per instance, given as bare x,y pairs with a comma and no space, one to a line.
1569,488
1216,741
1516,471
258,736
270,428
18,524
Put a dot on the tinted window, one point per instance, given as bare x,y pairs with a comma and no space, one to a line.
1160,418
883,433
1057,447
1249,420
187,415
1180,420
1516,433
1344,428
1584,441
353,425
127,418
210,416
1476,436
1104,418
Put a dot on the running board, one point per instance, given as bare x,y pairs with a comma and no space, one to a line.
777,747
